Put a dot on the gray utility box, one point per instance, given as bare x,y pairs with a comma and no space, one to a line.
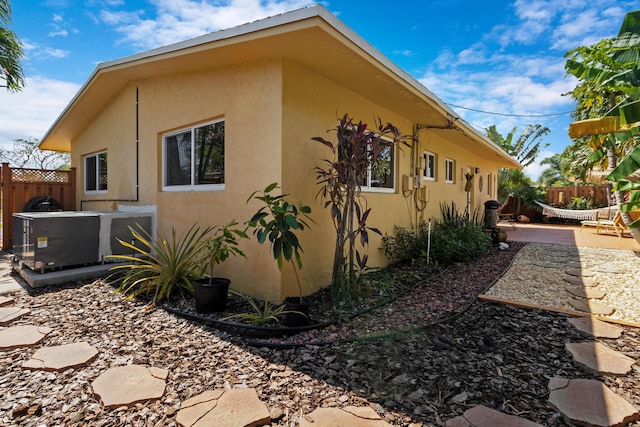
47,240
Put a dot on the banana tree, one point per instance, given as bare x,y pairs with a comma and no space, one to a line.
610,77
620,176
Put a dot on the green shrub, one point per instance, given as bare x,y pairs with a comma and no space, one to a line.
579,203
454,238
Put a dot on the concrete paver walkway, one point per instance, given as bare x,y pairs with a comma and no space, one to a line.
22,336
9,314
350,416
481,416
61,357
235,407
590,403
599,358
596,328
126,385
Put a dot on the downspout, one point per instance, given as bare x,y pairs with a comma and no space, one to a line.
137,198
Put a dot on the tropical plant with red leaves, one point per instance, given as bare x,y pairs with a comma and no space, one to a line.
357,151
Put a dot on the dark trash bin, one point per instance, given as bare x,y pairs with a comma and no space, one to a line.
491,214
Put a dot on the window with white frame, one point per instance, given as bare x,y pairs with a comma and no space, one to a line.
449,171
381,176
489,184
95,173
429,171
193,158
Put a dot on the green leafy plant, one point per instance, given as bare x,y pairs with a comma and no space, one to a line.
277,222
357,151
456,238
407,245
578,203
162,266
262,314
628,166
222,243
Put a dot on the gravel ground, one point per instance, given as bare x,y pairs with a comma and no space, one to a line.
539,272
412,374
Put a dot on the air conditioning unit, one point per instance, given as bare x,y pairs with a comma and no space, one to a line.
51,240
114,226
48,240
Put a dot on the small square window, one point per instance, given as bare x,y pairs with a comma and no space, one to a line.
95,173
449,171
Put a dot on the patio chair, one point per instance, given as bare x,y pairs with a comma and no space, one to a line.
616,225
504,216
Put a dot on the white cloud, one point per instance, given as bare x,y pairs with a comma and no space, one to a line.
30,113
405,52
34,51
60,33
177,20
55,53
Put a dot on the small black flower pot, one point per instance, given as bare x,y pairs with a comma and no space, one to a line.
298,310
211,294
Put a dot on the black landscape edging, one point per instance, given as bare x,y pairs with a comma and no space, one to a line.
246,330
254,333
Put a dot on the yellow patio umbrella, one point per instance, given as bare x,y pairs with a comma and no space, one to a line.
599,126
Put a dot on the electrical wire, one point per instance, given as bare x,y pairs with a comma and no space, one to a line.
509,115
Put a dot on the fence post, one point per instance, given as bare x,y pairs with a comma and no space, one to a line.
6,206
72,181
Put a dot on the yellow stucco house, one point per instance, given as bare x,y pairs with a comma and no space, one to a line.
263,90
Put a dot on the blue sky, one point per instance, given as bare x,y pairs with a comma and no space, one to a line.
495,56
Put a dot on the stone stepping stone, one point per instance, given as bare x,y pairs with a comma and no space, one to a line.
5,301
591,307
62,357
351,416
584,282
590,403
596,328
586,292
599,358
22,336
9,314
224,408
126,385
578,272
481,416
609,271
548,264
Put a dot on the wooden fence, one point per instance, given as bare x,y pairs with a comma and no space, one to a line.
19,185
560,196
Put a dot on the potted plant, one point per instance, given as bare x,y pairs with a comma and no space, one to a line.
277,222
211,292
